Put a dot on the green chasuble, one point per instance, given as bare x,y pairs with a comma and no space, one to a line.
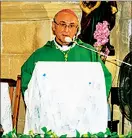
50,52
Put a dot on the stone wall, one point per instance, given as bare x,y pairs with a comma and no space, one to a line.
26,26
120,38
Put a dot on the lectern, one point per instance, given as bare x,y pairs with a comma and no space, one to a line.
65,97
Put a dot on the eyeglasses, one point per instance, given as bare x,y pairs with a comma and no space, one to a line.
63,25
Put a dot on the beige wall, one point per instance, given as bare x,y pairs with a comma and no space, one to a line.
26,26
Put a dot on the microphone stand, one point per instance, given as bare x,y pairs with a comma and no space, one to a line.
103,54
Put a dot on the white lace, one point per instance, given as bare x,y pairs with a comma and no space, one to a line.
66,98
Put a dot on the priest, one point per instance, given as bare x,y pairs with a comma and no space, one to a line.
64,48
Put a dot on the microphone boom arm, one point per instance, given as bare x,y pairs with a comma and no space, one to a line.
102,54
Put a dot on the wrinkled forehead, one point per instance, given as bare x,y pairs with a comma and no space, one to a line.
66,17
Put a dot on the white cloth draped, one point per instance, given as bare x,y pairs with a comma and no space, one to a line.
6,119
66,96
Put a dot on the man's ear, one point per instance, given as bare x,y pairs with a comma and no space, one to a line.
53,27
77,31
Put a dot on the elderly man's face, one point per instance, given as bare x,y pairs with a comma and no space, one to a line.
65,25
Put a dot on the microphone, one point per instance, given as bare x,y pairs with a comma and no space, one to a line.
69,40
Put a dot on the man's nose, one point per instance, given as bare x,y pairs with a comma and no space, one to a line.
66,28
